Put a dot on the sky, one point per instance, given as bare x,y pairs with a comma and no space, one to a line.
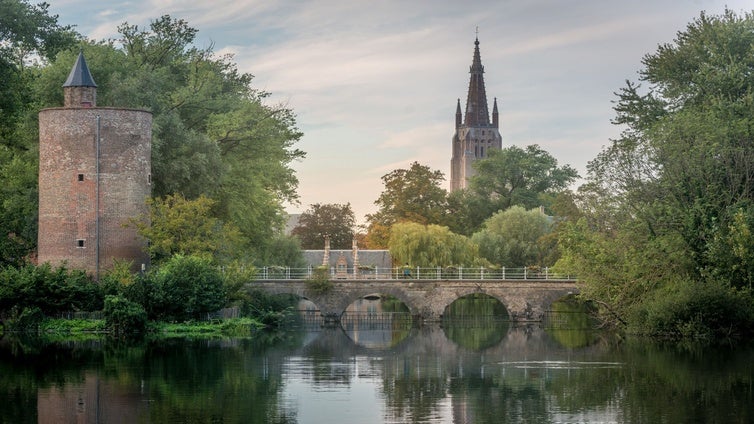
374,83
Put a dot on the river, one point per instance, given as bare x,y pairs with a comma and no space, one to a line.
379,369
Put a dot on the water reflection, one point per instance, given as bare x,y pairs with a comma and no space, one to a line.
340,375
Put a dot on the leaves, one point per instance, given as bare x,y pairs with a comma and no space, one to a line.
333,220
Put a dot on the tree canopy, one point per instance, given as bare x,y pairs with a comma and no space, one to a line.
514,237
516,176
670,203
214,134
319,220
412,195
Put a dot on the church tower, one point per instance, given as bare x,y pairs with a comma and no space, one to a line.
94,176
475,134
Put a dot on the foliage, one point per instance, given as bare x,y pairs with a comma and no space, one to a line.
515,176
703,310
50,290
413,195
333,220
177,226
283,250
123,316
234,327
188,287
213,134
430,246
67,327
29,36
514,238
118,278
319,282
669,205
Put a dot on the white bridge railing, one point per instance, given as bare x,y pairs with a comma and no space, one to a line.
414,273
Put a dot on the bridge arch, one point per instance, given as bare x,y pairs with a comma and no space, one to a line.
524,300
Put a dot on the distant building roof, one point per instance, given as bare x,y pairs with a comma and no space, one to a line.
80,75
375,258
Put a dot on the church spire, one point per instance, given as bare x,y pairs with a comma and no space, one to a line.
477,114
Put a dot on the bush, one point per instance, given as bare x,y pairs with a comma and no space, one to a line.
187,287
51,290
25,319
123,316
704,310
319,282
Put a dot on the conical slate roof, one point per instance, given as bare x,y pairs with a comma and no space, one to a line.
80,75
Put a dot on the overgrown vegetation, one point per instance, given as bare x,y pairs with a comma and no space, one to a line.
663,240
319,282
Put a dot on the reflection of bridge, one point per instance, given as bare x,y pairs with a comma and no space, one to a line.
525,300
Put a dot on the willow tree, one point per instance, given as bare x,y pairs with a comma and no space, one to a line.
430,246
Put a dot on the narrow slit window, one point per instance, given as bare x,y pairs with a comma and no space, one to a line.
80,243
81,177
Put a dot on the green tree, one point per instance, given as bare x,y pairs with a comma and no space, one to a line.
430,246
335,220
29,37
412,195
527,177
514,237
669,203
213,133
186,227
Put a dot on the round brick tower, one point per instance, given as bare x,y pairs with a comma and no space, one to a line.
94,176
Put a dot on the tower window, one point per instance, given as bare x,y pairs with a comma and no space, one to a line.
81,177
80,243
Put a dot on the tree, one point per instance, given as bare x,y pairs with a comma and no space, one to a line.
430,246
177,226
29,37
514,237
516,176
413,195
670,202
213,133
334,220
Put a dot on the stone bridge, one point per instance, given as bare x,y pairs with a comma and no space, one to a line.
525,300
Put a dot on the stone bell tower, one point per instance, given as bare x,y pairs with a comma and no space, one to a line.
475,134
94,176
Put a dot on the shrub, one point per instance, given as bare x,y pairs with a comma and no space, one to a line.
702,310
319,282
123,316
187,287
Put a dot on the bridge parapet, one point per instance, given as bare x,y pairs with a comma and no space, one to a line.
525,300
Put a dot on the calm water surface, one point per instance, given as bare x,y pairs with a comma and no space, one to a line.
378,369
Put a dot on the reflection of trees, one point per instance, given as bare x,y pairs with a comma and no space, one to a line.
166,381
413,392
526,377
570,323
476,321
